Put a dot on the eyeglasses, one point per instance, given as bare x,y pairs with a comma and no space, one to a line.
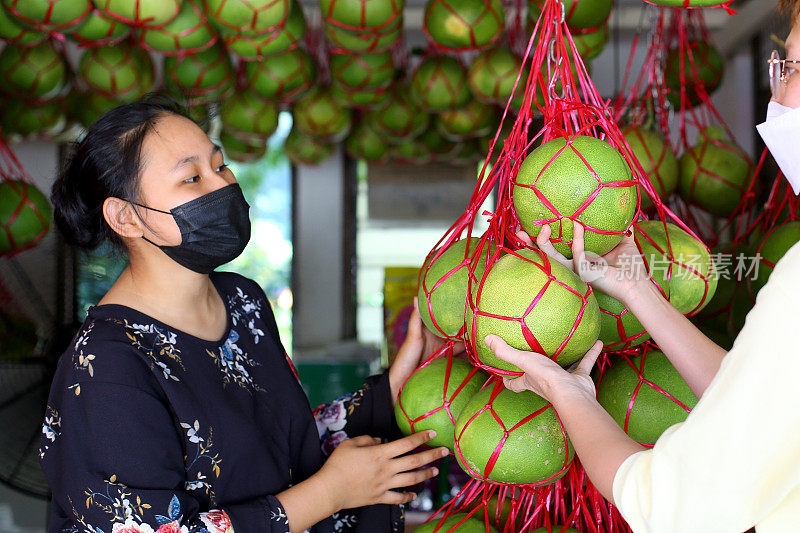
777,71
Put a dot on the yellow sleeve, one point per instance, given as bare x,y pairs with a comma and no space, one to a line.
736,458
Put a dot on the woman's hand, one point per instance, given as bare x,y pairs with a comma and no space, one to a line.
543,375
420,342
618,273
361,471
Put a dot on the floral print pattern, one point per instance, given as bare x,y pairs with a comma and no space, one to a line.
232,362
51,429
246,310
202,456
332,418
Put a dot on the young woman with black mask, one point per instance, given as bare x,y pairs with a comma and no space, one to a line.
175,408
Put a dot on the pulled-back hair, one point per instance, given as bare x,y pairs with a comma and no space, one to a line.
105,163
790,7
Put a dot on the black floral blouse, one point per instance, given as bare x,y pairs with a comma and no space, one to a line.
149,429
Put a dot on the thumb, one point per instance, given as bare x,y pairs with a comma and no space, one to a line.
415,323
587,362
515,384
503,351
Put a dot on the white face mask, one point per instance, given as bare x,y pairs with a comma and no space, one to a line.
781,134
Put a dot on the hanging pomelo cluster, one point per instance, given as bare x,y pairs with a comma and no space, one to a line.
439,83
204,76
248,116
99,29
365,143
49,15
141,13
284,77
715,173
303,149
475,119
37,72
400,117
645,395
319,114
464,24
25,213
189,32
242,149
362,25
690,68
492,75
355,72
124,72
252,46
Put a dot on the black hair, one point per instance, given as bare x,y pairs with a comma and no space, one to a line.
105,163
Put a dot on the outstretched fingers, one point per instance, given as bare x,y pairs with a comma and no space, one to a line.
544,244
588,361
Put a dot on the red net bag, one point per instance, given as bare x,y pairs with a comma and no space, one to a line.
25,212
58,15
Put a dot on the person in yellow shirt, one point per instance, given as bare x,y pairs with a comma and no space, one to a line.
734,463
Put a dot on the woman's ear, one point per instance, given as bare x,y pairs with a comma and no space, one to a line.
123,220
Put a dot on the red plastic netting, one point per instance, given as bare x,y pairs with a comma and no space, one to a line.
111,36
24,210
257,10
141,17
464,16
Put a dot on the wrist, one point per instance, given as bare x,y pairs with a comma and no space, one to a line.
330,498
641,293
565,396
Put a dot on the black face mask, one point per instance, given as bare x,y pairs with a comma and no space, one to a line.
215,229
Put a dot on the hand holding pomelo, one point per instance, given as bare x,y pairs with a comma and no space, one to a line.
557,185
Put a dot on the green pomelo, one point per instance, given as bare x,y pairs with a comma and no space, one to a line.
434,397
619,328
37,71
247,113
189,32
400,117
558,317
100,30
43,119
592,43
492,75
581,14
362,71
538,451
206,75
318,113
253,46
25,215
464,24
475,119
13,32
410,151
652,411
363,14
147,13
686,274
440,148
443,283
343,39
364,99
284,77
773,248
91,106
120,71
456,523
715,175
242,150
18,336
567,180
439,83
49,15
303,149
702,67
238,16
657,159
364,143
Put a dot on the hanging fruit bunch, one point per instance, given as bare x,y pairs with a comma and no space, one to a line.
362,25
457,25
